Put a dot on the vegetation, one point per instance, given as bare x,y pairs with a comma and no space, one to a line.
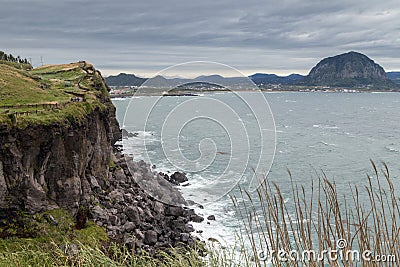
323,219
312,220
57,242
43,95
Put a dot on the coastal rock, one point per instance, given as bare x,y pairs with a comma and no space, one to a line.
211,218
76,166
179,177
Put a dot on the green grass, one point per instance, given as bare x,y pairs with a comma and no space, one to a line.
48,84
94,248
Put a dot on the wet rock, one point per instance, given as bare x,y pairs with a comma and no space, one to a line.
196,218
178,178
211,218
189,228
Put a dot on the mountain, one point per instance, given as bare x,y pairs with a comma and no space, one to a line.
124,79
394,76
351,69
262,78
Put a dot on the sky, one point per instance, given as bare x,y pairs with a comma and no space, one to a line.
144,37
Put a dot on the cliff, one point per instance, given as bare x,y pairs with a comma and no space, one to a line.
57,151
351,69
47,166
46,156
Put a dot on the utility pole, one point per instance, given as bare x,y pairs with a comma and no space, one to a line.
41,60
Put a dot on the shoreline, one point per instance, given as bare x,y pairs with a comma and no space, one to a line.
346,91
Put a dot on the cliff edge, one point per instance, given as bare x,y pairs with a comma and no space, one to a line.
57,134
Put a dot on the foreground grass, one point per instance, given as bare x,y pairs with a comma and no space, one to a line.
63,245
318,219
366,217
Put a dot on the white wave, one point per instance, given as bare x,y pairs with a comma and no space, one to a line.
390,149
327,144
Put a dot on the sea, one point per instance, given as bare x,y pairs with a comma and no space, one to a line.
227,140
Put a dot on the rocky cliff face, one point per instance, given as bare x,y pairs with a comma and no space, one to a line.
349,70
49,166
74,165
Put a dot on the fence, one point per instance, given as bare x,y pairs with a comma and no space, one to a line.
45,106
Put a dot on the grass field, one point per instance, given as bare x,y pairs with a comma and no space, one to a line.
43,95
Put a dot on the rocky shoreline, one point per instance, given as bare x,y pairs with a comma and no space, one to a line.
134,218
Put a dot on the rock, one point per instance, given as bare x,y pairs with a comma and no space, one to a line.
126,134
129,227
350,69
185,237
70,250
211,218
133,215
178,177
93,183
174,211
67,166
196,218
150,237
117,195
159,208
189,228
113,219
130,243
50,219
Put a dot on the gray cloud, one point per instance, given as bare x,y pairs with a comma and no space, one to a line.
146,36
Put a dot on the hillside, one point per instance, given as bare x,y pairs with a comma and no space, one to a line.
59,162
52,93
351,69
124,79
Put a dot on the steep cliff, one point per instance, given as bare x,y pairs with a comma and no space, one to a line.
46,157
47,166
57,151
348,70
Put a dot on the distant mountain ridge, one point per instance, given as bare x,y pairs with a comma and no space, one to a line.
124,79
394,76
262,79
350,69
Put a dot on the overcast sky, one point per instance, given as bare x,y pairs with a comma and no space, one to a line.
143,37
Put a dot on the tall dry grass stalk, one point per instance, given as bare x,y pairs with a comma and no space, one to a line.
363,219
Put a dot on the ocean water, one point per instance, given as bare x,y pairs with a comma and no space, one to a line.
308,133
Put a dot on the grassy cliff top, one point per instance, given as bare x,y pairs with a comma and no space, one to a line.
50,93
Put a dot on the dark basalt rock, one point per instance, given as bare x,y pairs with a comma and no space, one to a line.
176,178
211,218
43,167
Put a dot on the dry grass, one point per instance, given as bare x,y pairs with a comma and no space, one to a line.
367,218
